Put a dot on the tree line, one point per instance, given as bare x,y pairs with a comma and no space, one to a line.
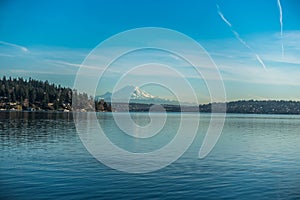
256,107
23,94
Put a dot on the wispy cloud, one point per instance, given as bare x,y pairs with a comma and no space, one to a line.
91,70
281,26
76,65
30,72
267,46
254,75
5,55
238,37
234,61
237,65
24,49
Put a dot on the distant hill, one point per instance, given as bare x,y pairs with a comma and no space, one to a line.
258,107
243,106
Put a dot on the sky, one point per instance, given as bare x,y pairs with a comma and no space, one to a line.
254,44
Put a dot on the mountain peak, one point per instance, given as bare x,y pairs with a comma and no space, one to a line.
136,93
137,96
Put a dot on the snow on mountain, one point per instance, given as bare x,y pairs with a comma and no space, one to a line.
140,94
137,96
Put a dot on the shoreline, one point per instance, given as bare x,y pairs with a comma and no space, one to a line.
72,112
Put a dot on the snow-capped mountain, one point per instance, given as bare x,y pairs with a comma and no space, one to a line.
137,96
138,93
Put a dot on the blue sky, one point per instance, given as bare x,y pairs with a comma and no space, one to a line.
256,53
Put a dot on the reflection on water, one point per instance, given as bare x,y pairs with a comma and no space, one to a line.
21,126
257,156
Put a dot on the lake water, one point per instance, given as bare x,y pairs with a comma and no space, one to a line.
256,157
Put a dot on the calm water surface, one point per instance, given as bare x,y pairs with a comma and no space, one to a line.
42,157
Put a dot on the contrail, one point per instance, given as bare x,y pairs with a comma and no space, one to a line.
241,40
281,26
246,45
260,61
238,37
222,16
14,45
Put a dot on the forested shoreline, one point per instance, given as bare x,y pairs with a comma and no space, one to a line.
33,95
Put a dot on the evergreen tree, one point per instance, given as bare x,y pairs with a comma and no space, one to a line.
38,94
